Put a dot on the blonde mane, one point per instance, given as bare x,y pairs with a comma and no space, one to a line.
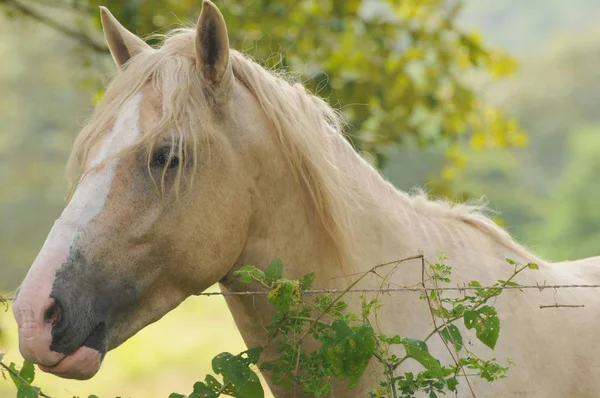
308,131
473,213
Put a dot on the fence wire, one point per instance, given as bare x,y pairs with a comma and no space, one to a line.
539,287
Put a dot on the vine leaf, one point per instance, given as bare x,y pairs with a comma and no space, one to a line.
418,350
452,335
486,323
274,270
349,351
27,371
249,273
238,379
208,390
284,294
307,281
26,391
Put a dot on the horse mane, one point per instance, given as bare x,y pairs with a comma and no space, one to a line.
308,131
474,213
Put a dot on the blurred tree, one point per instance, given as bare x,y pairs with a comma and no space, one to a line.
39,110
397,69
556,90
573,228
525,26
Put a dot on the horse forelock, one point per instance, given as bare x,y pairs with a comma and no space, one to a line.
174,78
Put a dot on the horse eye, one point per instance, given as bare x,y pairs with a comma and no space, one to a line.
164,158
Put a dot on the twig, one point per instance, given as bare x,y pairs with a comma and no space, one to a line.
503,286
397,262
354,284
431,311
562,306
18,376
79,36
72,6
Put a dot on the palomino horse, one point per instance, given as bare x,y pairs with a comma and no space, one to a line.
197,161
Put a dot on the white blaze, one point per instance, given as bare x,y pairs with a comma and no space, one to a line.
91,194
87,203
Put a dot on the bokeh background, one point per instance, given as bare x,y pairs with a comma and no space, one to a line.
467,98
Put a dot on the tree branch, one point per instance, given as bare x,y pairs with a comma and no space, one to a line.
81,37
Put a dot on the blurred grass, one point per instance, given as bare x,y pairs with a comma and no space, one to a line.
167,356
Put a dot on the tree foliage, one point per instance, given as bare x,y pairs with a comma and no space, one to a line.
398,70
574,228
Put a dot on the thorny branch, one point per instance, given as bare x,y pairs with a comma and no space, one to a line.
562,306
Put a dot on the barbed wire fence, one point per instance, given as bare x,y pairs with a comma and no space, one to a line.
540,287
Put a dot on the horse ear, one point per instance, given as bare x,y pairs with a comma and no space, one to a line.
122,43
212,46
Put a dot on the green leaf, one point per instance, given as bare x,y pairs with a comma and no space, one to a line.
27,371
26,391
211,383
249,273
509,283
452,383
349,351
95,396
307,281
486,323
219,361
452,335
201,390
418,350
274,270
489,336
284,294
2,355
239,380
342,330
172,395
533,266
253,354
18,383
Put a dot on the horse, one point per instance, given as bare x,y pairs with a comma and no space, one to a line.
197,161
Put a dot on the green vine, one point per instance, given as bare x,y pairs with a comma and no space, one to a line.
347,342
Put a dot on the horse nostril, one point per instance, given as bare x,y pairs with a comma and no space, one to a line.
53,314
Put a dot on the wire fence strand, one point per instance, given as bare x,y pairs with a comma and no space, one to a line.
539,287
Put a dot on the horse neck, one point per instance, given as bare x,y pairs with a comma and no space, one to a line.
383,222
387,225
